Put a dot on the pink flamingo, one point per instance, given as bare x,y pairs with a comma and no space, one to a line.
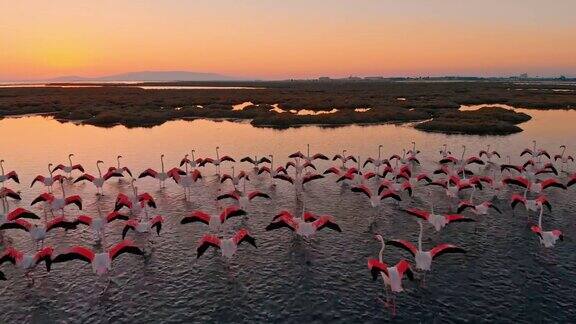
228,247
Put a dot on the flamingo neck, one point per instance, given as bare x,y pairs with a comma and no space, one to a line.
118,162
540,216
381,254
99,171
162,162
70,160
420,236
379,152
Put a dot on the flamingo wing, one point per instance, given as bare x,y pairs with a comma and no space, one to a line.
156,223
205,242
233,194
310,217
76,200
283,213
148,173
284,177
517,199
43,197
391,194
440,249
376,267
418,213
248,159
326,221
264,160
125,246
296,155
129,225
243,236
552,183
75,253
474,160
463,205
60,222
231,211
85,176
21,213
196,216
319,156
411,248
518,181
17,224
404,268
255,194
78,167
38,178
334,170
227,158
282,221
452,218
544,202
362,189
264,169
11,255
116,216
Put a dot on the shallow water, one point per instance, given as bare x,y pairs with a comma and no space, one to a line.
505,276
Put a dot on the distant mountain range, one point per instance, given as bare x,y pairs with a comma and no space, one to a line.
146,76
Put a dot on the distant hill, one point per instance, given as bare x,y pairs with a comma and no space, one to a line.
149,76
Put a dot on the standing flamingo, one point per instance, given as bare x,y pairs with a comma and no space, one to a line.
12,175
161,176
70,167
308,158
39,232
26,262
437,220
547,238
217,161
228,247
374,198
98,182
564,159
489,154
194,163
143,226
99,224
378,162
55,204
118,170
213,221
343,158
101,262
256,162
278,173
235,178
423,258
391,276
136,202
49,180
306,225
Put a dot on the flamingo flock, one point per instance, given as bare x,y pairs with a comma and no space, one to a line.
400,177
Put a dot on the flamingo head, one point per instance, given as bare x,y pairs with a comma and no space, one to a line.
50,165
379,237
119,157
162,156
186,156
562,146
99,161
70,155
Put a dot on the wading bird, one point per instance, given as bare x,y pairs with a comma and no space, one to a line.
160,176
4,177
69,168
228,247
49,180
98,182
213,221
25,261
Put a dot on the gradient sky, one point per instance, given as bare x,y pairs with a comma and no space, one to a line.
290,38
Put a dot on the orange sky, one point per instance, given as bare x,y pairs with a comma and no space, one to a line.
281,39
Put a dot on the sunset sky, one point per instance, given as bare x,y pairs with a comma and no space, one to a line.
272,39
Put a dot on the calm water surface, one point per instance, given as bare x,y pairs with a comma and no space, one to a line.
505,276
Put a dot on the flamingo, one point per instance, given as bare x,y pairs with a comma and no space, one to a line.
510,167
49,180
535,152
299,167
242,197
530,204
444,153
6,193
70,167
378,162
119,170
213,221
136,202
25,261
480,209
423,258
217,161
342,174
143,226
536,186
185,179
547,238
395,187
564,159
375,199
413,152
194,163
404,159
436,220
489,154
18,213
101,262
462,162
39,232
306,225
228,247
343,158
278,173
307,157
161,176
4,177
391,276
98,182
235,179
55,204
255,161
99,224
